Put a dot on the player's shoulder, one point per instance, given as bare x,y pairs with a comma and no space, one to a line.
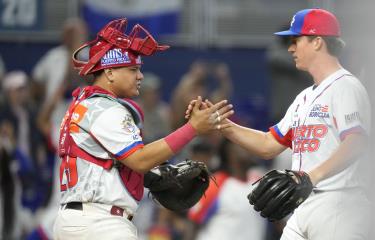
348,82
102,103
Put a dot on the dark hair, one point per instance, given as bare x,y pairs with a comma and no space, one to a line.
334,44
97,73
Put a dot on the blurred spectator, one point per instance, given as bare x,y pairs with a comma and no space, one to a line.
54,72
2,72
56,64
22,152
195,83
2,68
286,80
224,213
157,113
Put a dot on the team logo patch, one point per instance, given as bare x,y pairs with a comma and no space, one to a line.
115,56
128,125
353,117
319,111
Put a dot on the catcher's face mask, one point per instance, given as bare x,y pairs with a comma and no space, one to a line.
113,48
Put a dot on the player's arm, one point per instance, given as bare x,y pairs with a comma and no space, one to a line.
350,148
263,144
159,151
352,112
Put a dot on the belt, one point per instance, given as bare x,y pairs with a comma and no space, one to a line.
116,211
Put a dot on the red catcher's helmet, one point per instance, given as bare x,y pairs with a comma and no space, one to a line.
113,48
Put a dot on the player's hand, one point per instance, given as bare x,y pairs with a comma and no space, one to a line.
205,104
210,118
191,106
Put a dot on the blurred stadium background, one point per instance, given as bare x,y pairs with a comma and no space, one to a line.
237,33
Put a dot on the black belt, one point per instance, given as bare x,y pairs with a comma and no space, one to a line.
116,211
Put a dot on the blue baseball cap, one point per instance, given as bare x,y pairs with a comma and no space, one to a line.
313,22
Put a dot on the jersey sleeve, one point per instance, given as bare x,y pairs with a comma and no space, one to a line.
282,131
351,109
115,129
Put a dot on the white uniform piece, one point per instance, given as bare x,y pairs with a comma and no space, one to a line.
113,126
314,126
224,213
52,68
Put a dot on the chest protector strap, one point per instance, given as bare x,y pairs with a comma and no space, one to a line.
132,180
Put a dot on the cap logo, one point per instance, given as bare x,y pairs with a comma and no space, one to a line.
138,60
115,56
312,31
293,20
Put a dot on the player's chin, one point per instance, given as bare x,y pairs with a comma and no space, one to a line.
300,67
135,93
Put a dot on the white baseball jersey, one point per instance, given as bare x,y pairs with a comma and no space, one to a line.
113,126
319,119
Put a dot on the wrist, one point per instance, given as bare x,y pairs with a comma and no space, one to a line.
314,177
179,138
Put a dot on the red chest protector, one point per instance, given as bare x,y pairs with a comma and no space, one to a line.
132,180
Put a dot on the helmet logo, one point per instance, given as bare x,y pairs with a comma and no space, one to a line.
115,56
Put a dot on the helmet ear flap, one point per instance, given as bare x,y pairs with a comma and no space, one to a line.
81,57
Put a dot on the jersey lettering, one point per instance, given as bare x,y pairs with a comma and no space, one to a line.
306,138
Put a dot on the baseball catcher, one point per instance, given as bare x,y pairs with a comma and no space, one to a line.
178,187
278,193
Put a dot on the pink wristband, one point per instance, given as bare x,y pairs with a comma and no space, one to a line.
179,138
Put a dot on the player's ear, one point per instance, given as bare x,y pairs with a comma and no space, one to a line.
109,74
318,42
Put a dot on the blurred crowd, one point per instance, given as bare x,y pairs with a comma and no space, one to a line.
31,109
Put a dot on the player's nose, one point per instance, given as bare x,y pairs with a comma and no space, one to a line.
291,48
140,75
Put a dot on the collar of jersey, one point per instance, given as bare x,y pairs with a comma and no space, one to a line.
331,78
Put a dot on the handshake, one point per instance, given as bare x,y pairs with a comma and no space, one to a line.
205,116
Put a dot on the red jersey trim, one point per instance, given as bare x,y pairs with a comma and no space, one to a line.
284,140
127,153
353,130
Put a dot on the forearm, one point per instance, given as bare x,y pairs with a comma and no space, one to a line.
257,142
151,155
349,149
157,152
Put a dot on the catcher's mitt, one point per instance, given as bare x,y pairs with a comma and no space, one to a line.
178,187
278,193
